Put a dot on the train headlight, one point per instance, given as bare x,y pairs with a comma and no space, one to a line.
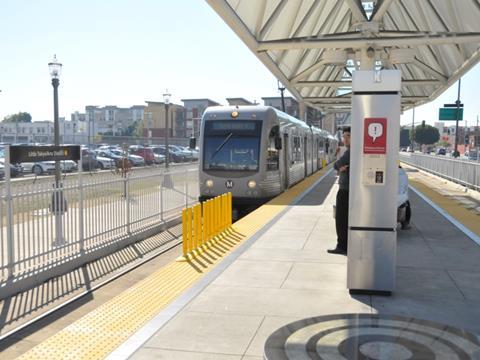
209,183
252,184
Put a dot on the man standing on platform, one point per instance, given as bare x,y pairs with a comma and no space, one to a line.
341,214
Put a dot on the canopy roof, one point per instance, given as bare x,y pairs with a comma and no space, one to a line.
313,46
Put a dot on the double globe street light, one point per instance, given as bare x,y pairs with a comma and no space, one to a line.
59,204
166,99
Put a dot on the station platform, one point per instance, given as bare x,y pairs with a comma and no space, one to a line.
270,281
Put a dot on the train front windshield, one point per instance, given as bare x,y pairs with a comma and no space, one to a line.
231,145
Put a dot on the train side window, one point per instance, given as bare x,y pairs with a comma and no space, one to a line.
272,151
297,149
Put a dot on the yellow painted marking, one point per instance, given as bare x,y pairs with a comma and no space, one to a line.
467,217
101,331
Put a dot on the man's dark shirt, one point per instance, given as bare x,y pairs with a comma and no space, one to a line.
344,176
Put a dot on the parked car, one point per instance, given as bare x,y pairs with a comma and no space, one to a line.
66,165
105,163
174,154
192,153
39,168
159,158
135,160
472,155
146,153
15,169
89,160
48,167
441,151
115,156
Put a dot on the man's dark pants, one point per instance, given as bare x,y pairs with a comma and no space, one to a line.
341,219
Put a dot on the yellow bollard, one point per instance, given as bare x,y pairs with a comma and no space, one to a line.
200,227
207,219
204,227
224,211
210,217
229,197
184,231
215,216
221,214
189,230
196,227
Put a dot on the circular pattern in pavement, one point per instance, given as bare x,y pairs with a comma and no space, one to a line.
367,336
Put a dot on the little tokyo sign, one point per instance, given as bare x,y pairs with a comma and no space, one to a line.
20,154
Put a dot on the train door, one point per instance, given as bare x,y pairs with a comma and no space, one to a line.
315,152
312,156
286,162
305,155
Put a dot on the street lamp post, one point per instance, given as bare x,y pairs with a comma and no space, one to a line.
166,98
58,204
282,89
458,102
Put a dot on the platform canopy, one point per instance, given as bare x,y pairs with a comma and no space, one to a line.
313,46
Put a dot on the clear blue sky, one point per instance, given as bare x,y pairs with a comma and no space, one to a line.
123,52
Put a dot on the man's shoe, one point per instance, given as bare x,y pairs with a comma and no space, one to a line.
337,250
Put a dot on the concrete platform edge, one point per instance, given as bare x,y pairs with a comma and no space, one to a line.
447,216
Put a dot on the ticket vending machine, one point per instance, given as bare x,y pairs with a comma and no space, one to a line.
374,145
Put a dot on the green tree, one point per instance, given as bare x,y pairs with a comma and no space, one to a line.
404,137
139,130
426,134
130,130
21,117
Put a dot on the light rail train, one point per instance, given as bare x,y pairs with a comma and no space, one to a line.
257,152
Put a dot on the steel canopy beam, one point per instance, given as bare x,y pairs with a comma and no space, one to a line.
307,72
357,10
271,19
347,99
340,83
380,9
321,42
430,70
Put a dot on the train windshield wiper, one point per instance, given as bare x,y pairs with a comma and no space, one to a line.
221,145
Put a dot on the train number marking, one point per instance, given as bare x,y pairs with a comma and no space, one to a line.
229,184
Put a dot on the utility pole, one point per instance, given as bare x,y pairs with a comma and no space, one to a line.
412,140
455,150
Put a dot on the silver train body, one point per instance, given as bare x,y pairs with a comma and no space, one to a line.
257,152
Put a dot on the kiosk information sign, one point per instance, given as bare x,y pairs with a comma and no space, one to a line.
374,151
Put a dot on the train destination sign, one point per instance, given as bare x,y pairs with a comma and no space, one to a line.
25,153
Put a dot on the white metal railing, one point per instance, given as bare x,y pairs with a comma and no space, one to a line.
463,172
104,213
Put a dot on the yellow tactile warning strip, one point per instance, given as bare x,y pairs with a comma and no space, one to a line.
98,333
468,218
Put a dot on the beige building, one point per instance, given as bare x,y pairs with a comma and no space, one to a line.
155,116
